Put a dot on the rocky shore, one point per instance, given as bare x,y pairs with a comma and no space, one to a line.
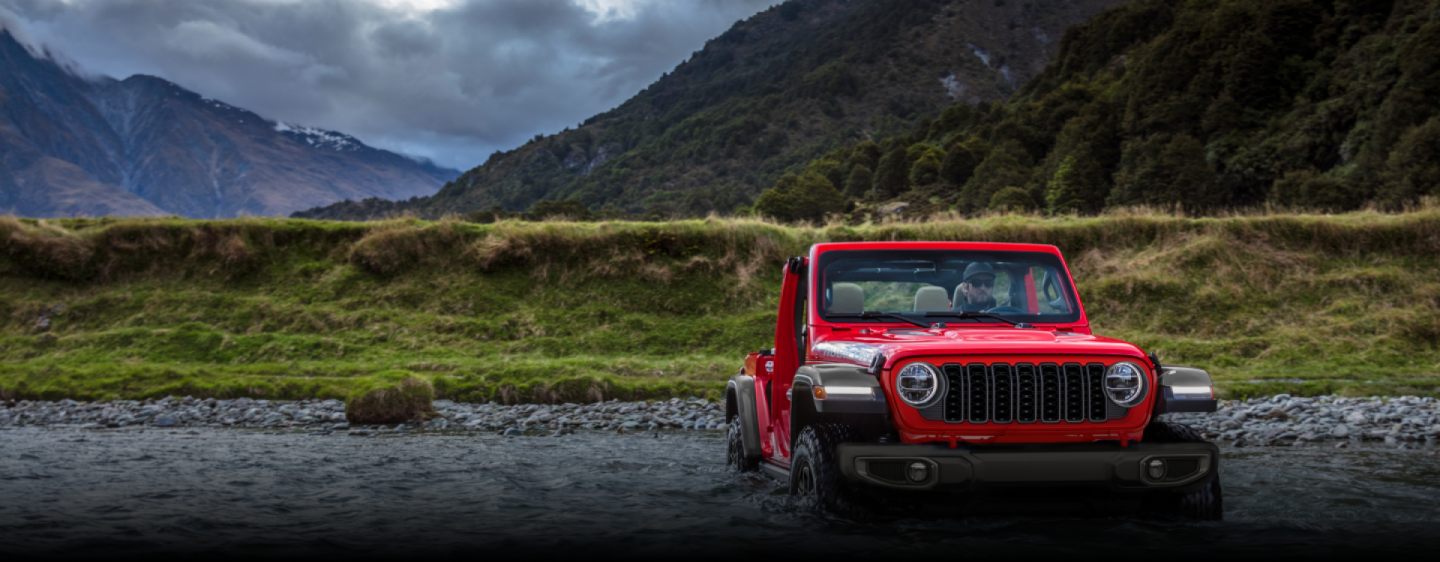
329,415
1286,420
1274,421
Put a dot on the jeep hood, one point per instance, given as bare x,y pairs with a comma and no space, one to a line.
851,346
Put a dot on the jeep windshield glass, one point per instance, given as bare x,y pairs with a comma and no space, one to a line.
863,286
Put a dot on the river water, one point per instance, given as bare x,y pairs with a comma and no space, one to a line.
237,492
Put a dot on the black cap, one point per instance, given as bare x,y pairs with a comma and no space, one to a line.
976,269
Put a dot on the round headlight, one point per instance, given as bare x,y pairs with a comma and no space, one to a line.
918,384
1125,384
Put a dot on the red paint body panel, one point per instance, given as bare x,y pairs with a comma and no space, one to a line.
902,343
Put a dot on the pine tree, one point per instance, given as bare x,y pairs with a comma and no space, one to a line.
866,154
1008,165
958,166
1062,193
892,176
858,184
1077,185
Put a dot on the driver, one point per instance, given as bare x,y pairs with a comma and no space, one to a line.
976,289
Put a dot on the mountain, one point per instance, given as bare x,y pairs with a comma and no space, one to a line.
1202,104
82,146
762,99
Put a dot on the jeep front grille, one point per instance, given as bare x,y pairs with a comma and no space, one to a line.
1024,393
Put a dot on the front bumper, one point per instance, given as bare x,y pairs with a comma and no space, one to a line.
1187,465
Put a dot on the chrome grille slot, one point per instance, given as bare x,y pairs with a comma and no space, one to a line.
1074,393
1002,380
1025,393
977,388
1049,393
955,399
1095,387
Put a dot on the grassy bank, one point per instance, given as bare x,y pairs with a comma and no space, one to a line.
579,311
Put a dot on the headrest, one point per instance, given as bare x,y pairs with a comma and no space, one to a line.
931,299
847,298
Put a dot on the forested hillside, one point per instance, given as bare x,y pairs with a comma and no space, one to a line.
765,98
1203,104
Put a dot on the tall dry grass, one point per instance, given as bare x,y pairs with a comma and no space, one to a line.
108,250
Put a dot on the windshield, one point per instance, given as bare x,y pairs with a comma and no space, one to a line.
1019,286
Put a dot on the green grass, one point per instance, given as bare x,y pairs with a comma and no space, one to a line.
519,312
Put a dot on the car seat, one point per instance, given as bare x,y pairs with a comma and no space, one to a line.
847,298
931,299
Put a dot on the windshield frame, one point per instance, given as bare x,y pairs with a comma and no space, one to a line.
1035,256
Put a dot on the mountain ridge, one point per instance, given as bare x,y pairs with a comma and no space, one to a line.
144,146
760,100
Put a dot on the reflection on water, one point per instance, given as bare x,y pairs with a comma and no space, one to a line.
232,492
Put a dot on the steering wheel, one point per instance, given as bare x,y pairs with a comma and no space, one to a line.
1005,310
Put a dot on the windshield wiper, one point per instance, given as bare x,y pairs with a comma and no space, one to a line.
969,315
869,314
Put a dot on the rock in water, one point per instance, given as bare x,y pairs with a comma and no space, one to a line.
512,432
165,421
1340,432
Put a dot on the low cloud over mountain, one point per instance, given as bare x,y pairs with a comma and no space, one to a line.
452,80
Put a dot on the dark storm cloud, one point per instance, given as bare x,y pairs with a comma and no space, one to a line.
453,82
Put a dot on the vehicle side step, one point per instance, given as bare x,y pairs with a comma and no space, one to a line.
775,472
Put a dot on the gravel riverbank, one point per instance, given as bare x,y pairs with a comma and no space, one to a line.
1286,420
1277,420
329,415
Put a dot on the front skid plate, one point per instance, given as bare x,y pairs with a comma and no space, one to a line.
971,468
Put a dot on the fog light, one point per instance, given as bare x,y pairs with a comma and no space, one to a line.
1156,469
918,472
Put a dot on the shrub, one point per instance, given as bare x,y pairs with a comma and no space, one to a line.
832,169
568,208
926,170
394,397
1413,169
1012,199
959,165
808,196
1308,188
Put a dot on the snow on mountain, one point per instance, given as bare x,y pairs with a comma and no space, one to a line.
320,138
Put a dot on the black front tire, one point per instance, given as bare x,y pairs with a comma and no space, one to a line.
815,471
1204,504
735,449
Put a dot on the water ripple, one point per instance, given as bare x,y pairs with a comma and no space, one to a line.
230,491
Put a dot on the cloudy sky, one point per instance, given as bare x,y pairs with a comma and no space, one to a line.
452,80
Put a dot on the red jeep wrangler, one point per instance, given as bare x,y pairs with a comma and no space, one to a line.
952,370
